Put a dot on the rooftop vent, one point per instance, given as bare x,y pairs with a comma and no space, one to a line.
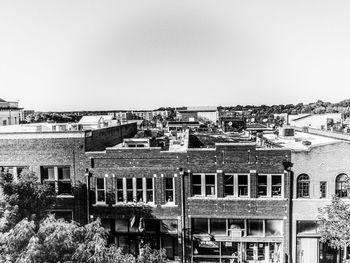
287,132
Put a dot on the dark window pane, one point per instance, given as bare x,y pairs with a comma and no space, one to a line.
242,179
196,179
100,183
200,225
197,190
139,183
229,190
101,196
210,190
129,183
209,179
169,183
255,227
229,179
218,226
149,183
306,227
119,183
63,173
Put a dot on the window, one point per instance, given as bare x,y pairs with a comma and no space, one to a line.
255,227
169,190
273,227
58,178
209,184
204,184
218,226
340,185
229,185
276,185
262,185
303,184
307,227
134,190
120,192
149,190
197,184
15,171
237,227
323,189
139,190
242,185
100,190
129,190
64,183
200,225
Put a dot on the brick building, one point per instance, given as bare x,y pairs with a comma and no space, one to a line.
236,199
57,158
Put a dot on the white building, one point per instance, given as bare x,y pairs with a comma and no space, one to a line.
9,113
315,121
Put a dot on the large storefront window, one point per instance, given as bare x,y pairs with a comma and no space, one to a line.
237,252
255,227
237,227
131,233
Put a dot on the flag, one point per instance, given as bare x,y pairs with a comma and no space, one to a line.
132,221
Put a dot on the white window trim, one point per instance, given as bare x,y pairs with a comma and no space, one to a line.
203,185
282,186
173,202
104,189
134,191
237,192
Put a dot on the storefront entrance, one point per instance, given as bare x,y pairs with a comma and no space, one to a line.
310,249
237,252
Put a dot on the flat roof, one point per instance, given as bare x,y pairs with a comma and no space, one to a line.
209,139
295,142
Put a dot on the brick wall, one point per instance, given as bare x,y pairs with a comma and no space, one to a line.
98,140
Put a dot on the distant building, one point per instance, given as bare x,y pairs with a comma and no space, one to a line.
9,113
205,113
23,114
316,121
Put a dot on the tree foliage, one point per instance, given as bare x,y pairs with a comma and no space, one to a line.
23,198
334,224
29,234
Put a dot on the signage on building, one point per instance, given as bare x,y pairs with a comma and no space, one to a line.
208,244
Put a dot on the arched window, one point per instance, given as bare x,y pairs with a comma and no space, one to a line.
341,189
303,186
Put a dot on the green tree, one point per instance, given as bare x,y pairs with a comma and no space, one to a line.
22,198
334,226
29,234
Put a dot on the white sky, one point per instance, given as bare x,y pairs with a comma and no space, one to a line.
95,55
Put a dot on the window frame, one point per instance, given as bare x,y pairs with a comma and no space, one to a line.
170,190
244,231
342,188
56,181
98,190
300,186
121,188
203,185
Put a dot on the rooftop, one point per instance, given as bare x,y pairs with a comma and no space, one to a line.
199,108
209,139
300,141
